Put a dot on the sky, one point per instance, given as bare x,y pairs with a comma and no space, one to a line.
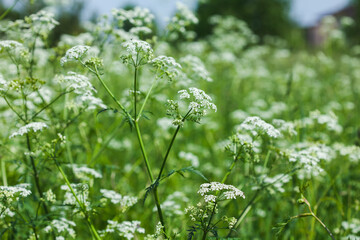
305,12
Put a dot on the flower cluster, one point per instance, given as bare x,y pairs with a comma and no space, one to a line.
124,229
116,198
190,157
258,126
77,82
195,68
166,66
75,53
227,192
199,103
85,173
81,191
62,228
285,127
31,127
138,17
136,52
329,121
9,45
158,232
183,19
8,194
42,23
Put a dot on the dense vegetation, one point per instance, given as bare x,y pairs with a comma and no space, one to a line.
124,133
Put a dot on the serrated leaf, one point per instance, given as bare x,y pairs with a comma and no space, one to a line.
150,188
191,169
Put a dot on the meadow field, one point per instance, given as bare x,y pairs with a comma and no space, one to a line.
128,132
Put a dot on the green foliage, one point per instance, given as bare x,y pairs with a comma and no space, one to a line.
108,135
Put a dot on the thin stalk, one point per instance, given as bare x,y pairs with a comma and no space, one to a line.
145,100
168,152
49,104
36,174
208,225
135,94
13,109
171,144
3,172
26,221
96,72
317,219
82,206
143,151
236,158
8,10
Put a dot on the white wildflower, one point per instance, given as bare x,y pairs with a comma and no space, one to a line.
42,22
285,127
173,204
199,103
81,191
178,24
31,127
61,226
85,173
138,17
140,31
75,53
124,229
50,196
227,191
116,198
10,45
137,52
257,126
8,194
166,66
195,68
77,82
352,152
188,156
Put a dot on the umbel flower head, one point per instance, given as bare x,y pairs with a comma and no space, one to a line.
196,103
74,54
166,67
136,52
257,126
209,190
31,127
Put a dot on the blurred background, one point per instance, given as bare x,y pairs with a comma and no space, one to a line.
299,22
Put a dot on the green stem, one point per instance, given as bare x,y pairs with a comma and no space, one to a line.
135,94
8,10
82,206
146,98
143,151
49,104
317,219
171,144
208,225
36,174
11,107
168,152
96,72
26,221
3,172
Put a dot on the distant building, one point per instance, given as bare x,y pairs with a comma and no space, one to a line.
315,35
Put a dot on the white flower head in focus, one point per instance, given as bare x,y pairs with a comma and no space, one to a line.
208,191
31,127
136,52
74,54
